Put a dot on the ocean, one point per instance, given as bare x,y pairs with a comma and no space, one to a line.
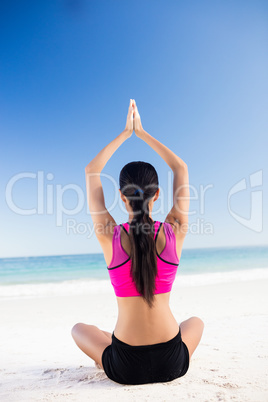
85,273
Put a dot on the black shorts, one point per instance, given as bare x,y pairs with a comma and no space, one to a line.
160,362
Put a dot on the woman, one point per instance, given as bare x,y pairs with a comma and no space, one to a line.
142,256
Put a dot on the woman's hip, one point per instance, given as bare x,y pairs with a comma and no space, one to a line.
141,364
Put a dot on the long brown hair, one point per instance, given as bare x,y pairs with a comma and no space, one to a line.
139,183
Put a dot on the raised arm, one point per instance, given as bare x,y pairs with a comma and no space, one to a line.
100,215
178,215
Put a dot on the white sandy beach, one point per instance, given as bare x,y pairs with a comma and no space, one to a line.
40,361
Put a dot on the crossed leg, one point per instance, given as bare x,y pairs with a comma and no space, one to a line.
91,340
191,333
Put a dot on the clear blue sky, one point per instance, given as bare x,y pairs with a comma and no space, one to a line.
198,72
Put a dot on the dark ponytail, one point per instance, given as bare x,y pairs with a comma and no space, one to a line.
139,183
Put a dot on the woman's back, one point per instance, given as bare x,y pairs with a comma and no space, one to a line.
138,323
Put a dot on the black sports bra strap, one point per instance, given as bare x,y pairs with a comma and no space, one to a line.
124,229
158,231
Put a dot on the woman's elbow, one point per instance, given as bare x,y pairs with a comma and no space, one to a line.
180,166
88,168
92,168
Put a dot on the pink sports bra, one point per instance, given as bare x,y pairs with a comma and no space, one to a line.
167,263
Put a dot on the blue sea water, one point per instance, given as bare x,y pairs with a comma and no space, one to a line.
29,275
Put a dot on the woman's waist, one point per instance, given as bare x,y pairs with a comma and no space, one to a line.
144,329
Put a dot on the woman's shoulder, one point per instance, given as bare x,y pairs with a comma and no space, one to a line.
170,228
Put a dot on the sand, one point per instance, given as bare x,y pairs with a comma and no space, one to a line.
40,361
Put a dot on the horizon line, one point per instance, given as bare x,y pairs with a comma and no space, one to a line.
186,248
